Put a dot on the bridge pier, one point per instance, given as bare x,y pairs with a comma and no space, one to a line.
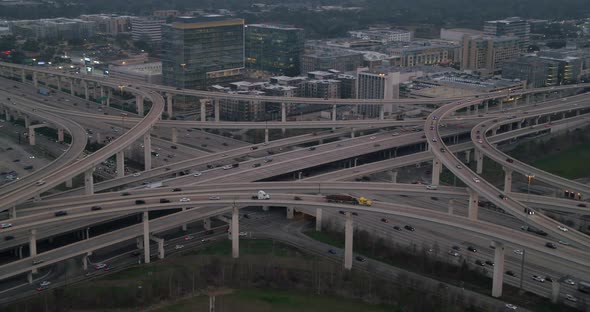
235,233
290,212
161,250
486,106
35,80
500,103
60,135
72,93
207,224
348,242
216,109
393,176
473,205
12,212
352,133
58,79
120,164
451,207
85,262
318,219
33,246
169,105
203,111
69,183
334,115
498,275
174,135
147,151
467,156
266,135
146,237
30,277
86,94
494,131
283,116
381,112
139,104
479,159
23,76
27,121
31,136
102,95
507,179
109,94
555,288
184,225
88,182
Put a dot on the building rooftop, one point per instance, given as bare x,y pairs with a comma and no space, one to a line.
275,26
507,20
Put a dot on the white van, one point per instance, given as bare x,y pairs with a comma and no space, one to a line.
432,187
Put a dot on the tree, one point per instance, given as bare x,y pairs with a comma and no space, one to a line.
31,45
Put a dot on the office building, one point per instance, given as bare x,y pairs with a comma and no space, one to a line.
198,52
510,27
456,34
323,88
537,72
110,24
486,55
378,83
382,35
326,58
274,48
426,54
148,29
56,28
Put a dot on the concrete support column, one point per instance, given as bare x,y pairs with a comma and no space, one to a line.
72,93
23,76
102,95
94,89
348,230
120,164
318,219
7,114
69,183
555,288
32,136
27,121
33,246
494,131
86,94
58,78
283,114
147,151
216,109
507,179
473,205
60,135
476,109
500,103
109,94
203,111
479,159
393,175
12,212
169,105
174,135
467,156
352,133
266,135
139,104
486,106
436,169
30,277
235,233
265,208
451,206
88,182
35,80
290,212
161,251
528,99
207,224
146,237
85,262
381,112
498,276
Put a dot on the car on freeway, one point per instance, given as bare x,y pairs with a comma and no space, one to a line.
529,211
188,237
332,251
478,262
40,182
518,252
95,208
8,237
311,148
140,202
44,283
503,197
510,273
582,205
395,134
550,245
360,259
243,233
60,213
137,174
5,225
409,228
372,138
471,248
434,140
455,247
35,262
100,266
565,243
384,220
178,247
164,200
480,141
125,194
459,166
569,281
539,278
197,174
489,262
297,198
227,167
571,298
510,306
177,190
184,200
509,160
476,180
397,228
214,198
453,253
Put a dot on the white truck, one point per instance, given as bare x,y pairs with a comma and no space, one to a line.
261,195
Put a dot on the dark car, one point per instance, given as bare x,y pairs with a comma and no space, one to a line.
254,148
296,198
256,165
360,259
312,148
332,251
397,228
173,147
246,216
510,273
409,228
456,248
549,279
60,213
176,190
384,220
341,212
164,200
503,197
140,202
489,262
8,237
509,160
125,194
94,208
472,249
550,245
582,205
478,262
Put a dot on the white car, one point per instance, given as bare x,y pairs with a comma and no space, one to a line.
563,228
179,247
137,174
243,234
480,141
476,180
518,252
566,243
539,278
214,198
372,138
184,200
459,167
45,283
395,134
227,167
434,140
571,298
510,306
40,182
569,281
99,266
5,225
197,174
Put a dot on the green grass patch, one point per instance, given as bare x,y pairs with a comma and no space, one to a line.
250,247
571,163
267,300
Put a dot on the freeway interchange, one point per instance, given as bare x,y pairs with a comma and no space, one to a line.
190,195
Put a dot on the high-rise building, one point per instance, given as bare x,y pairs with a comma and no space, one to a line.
536,71
511,27
147,29
382,35
110,24
487,54
201,51
326,58
377,83
274,48
54,28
